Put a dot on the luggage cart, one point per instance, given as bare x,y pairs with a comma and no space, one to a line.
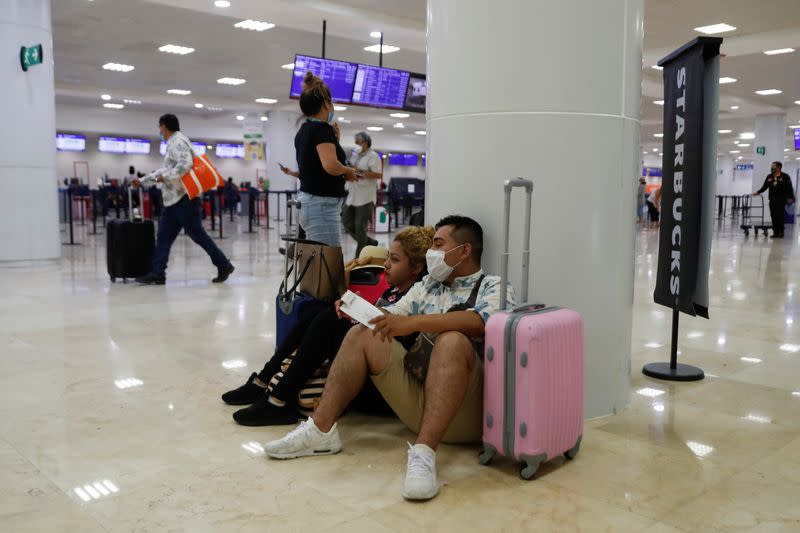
753,215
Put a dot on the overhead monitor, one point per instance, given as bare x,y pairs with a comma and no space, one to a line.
225,150
416,93
66,142
339,76
380,87
797,138
407,160
137,146
113,145
199,148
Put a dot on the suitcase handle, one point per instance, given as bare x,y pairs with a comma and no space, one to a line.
508,187
130,202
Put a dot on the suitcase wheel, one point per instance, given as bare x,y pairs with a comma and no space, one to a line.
528,470
485,457
571,453
113,279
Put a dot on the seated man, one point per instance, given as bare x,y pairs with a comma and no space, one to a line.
448,406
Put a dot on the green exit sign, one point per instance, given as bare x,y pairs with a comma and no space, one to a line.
761,150
29,56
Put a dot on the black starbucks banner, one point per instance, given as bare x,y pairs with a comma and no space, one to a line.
691,76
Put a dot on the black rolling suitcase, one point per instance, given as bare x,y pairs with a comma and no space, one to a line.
130,245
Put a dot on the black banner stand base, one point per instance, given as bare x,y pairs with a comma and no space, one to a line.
681,372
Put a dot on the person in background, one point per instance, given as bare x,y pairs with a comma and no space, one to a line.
231,193
781,193
321,164
360,202
641,200
447,404
319,338
654,205
179,211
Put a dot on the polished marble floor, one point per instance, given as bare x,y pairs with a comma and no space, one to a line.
111,417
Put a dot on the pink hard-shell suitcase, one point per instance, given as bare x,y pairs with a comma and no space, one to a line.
533,373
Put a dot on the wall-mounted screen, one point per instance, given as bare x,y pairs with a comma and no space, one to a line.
113,145
339,76
137,146
70,143
407,160
380,87
797,138
416,93
225,150
199,148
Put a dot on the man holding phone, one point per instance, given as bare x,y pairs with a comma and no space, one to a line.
360,202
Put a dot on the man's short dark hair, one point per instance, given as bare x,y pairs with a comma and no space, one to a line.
170,122
465,230
778,164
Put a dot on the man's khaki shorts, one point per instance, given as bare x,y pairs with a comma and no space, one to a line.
406,396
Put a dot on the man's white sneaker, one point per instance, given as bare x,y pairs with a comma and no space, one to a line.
421,482
305,439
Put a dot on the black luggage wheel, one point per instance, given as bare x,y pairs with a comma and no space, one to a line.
113,279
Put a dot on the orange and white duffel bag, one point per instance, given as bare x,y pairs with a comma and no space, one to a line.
201,178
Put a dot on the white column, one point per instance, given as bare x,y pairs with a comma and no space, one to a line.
725,182
279,134
771,134
550,91
29,227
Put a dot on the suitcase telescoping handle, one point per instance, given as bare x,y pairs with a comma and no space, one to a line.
130,203
509,186
291,247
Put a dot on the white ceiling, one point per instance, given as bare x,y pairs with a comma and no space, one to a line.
88,34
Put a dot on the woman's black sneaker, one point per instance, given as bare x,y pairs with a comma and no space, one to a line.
246,394
263,413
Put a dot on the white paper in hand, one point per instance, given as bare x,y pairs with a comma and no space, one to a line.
359,309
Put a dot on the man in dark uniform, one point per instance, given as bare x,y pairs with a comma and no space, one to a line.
780,193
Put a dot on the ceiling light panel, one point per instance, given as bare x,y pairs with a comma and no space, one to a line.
253,25
374,128
288,66
769,92
266,100
231,81
222,3
118,67
113,106
182,92
714,29
387,48
779,51
132,102
725,80
175,49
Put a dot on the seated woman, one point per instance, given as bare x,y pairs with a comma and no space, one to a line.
318,340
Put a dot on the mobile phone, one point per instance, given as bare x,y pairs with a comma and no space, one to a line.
281,165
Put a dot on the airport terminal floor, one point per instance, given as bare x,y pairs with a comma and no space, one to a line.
117,386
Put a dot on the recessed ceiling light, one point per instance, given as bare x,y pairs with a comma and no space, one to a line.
214,108
375,34
340,108
740,158
785,149
743,145
734,107
175,49
113,106
182,92
133,102
288,66
105,96
797,102
231,81
659,135
264,119
399,125
769,92
735,152
661,154
747,135
656,67
118,67
387,48
254,25
736,142
239,117
222,3
266,100
715,28
198,105
725,80
750,359
399,115
779,51
658,102
209,147
724,131
420,132
374,128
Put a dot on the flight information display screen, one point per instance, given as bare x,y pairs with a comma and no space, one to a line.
66,142
137,146
380,87
230,150
416,94
339,76
114,145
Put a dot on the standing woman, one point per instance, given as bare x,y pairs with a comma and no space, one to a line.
321,165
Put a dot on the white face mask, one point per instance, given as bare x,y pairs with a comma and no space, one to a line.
437,268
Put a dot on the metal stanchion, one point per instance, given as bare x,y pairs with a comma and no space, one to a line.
221,217
94,212
251,209
213,211
69,218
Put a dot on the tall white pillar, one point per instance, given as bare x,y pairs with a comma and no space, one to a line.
550,91
280,131
771,134
29,227
725,177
